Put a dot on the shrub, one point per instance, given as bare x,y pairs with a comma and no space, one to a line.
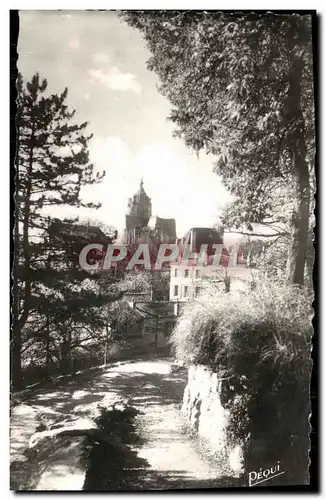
112,463
260,342
271,324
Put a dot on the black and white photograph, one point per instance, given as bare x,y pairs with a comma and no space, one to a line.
162,273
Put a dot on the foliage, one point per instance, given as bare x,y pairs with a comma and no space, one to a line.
259,342
271,214
77,321
136,281
67,318
111,463
283,313
227,77
107,229
266,245
60,312
241,88
52,166
121,317
267,258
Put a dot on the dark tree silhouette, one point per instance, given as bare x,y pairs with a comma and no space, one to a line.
52,164
241,89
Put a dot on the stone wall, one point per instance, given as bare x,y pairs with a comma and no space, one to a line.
204,411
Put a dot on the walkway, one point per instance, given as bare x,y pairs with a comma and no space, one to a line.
171,453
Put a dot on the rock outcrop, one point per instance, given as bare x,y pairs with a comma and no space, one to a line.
206,415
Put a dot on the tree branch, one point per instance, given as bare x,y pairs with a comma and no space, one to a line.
257,234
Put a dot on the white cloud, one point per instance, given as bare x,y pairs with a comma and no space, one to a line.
114,79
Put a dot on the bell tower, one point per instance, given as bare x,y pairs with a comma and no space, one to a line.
138,214
140,204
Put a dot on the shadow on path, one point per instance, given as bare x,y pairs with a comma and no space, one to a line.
167,457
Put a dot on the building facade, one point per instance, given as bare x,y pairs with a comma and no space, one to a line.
188,278
186,281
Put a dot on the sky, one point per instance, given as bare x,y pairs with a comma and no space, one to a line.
102,61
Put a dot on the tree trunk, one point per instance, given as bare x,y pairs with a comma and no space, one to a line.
299,229
47,348
16,368
66,361
26,249
106,344
301,206
19,321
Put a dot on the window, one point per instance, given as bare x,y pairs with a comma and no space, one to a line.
175,273
186,273
197,290
197,273
176,290
186,291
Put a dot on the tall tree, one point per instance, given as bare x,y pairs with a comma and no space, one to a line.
52,164
66,301
241,88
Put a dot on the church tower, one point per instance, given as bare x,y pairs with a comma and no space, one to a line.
138,215
140,204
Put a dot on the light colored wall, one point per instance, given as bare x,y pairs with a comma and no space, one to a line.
239,279
205,413
192,281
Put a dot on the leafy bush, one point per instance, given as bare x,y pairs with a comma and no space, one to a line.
271,324
112,463
260,343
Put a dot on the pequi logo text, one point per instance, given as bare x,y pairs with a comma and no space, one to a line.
264,475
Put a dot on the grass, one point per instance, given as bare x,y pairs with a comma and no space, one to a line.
272,324
260,343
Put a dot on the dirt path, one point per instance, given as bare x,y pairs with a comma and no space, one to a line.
171,454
